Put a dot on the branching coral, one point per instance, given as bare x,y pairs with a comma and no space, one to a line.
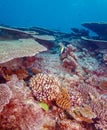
5,95
98,105
100,109
45,87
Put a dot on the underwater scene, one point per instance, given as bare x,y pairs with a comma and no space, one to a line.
53,65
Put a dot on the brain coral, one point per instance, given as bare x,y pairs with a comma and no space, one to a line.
5,95
45,87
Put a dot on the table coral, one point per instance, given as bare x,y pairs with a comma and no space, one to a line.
19,48
45,87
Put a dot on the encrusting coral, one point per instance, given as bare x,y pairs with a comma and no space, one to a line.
45,87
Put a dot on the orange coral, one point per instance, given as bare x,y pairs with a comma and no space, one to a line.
21,73
63,100
45,87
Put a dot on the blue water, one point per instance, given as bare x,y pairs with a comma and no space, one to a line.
52,14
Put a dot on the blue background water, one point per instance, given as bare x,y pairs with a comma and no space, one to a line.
52,14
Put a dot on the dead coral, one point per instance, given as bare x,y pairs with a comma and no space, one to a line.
45,87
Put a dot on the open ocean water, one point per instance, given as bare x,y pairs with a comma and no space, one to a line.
52,14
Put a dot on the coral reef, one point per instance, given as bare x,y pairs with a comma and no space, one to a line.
58,89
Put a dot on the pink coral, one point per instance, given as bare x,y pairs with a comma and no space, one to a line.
45,87
100,108
22,112
5,95
92,98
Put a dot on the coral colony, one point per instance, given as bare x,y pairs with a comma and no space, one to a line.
51,80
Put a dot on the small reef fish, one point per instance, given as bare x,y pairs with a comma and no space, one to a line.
62,47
